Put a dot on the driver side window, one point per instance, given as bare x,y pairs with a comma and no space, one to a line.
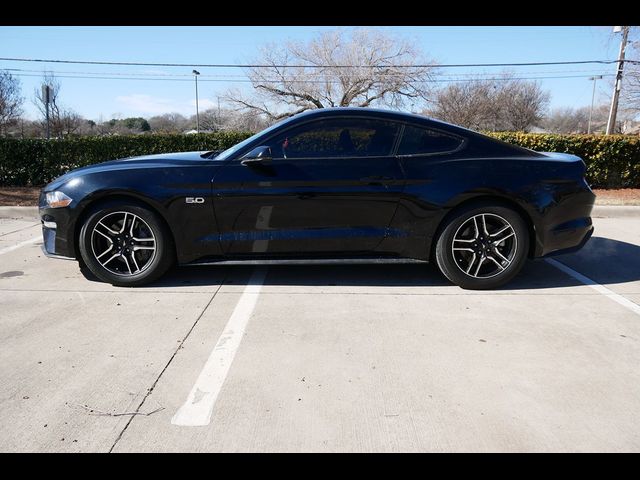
336,138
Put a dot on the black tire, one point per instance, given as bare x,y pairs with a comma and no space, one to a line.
496,268
140,267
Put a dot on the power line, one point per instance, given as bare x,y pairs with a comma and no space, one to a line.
65,72
218,80
590,72
238,65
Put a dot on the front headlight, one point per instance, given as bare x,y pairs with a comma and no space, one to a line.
57,200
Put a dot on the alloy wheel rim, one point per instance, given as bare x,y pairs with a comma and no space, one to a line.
484,246
123,243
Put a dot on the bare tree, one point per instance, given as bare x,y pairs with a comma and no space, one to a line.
48,78
522,104
63,121
87,128
568,120
334,69
28,128
469,104
169,123
631,85
102,128
215,119
10,101
501,104
68,122
632,95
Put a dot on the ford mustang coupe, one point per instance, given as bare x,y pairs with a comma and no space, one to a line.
347,184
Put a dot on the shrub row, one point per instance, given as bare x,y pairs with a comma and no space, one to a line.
25,162
612,161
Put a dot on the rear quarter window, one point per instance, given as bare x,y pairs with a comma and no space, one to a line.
425,141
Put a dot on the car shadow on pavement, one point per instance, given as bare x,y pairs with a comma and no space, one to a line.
604,260
309,275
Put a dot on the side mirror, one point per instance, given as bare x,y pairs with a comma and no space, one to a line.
259,155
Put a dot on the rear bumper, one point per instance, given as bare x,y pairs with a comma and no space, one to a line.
566,224
572,238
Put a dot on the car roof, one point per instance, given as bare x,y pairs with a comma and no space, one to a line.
403,117
379,112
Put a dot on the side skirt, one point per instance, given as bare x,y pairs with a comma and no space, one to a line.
313,261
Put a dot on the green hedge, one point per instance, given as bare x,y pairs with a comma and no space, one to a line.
26,162
612,161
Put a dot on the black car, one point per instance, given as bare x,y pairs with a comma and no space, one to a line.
344,184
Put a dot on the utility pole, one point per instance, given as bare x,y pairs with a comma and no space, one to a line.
195,74
613,112
593,96
46,96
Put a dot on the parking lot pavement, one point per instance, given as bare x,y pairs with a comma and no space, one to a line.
16,229
322,358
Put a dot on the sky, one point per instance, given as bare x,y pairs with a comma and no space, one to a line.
135,94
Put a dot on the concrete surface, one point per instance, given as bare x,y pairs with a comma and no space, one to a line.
334,358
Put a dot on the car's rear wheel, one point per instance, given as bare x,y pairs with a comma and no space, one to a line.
483,246
125,244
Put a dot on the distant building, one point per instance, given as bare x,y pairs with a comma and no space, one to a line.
538,130
191,132
630,127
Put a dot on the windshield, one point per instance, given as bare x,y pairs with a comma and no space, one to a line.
230,151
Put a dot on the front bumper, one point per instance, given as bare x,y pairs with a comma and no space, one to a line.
57,231
53,255
53,246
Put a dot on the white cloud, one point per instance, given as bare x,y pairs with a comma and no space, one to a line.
143,104
203,104
148,105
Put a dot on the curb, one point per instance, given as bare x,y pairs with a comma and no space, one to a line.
19,212
615,211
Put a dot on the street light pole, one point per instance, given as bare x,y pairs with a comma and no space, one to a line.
593,96
195,74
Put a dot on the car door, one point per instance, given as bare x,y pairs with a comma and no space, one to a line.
330,187
423,150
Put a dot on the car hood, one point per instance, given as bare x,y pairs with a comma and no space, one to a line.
140,162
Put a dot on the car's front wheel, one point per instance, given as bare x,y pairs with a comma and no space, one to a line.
483,246
125,244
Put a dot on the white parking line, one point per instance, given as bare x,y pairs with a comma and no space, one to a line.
20,229
18,245
634,307
198,407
